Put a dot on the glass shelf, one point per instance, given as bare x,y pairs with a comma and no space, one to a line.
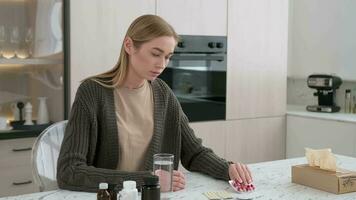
30,61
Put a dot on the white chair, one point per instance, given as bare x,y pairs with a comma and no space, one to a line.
45,153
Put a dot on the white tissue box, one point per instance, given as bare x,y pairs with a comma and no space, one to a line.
335,182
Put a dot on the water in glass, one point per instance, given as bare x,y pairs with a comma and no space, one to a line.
163,168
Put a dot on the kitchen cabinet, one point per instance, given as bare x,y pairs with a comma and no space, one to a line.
98,30
33,63
254,129
195,17
247,140
255,140
256,59
322,37
319,133
15,167
213,135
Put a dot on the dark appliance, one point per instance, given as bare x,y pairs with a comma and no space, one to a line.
326,86
197,76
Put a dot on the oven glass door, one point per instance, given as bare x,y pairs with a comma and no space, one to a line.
199,82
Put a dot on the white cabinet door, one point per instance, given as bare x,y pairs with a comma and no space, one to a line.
318,134
195,17
256,140
97,30
213,135
15,167
257,58
322,38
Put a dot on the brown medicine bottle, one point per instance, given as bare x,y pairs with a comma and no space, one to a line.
103,193
151,189
113,190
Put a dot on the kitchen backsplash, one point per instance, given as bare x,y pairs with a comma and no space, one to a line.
298,92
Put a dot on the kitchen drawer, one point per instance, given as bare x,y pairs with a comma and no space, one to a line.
319,134
15,167
17,180
15,152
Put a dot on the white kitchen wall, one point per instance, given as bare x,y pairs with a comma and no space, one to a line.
322,38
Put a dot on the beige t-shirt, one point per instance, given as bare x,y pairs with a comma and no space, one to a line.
134,115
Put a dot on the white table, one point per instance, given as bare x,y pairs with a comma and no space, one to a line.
272,181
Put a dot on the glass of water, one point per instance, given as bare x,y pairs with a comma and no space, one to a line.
163,168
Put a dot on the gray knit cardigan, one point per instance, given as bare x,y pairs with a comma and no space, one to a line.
90,150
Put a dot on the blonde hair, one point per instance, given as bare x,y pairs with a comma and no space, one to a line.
141,30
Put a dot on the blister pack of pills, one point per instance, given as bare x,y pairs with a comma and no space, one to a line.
218,195
240,187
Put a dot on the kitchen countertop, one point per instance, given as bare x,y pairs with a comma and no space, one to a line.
16,134
271,179
23,131
297,110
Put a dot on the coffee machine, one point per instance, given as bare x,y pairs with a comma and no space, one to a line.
326,86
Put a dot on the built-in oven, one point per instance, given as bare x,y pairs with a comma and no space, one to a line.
197,76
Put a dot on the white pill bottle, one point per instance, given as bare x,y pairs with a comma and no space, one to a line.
129,191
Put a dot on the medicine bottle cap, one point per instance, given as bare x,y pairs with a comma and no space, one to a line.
129,185
103,186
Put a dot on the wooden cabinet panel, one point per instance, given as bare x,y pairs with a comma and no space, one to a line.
257,58
15,152
213,135
17,180
15,167
195,17
256,140
318,133
322,37
97,32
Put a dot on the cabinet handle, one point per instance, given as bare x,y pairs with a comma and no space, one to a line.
22,183
23,149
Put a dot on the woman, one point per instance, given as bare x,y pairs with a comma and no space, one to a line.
121,118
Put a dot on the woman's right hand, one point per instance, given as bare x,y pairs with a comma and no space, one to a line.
240,173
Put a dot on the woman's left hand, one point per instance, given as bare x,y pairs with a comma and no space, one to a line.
178,182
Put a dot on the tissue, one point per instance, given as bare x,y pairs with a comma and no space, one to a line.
322,158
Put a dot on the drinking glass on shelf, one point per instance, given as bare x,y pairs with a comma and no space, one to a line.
15,35
10,50
2,39
15,39
25,46
29,41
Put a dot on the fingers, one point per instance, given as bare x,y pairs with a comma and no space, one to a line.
247,173
240,172
178,177
234,175
177,187
178,182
